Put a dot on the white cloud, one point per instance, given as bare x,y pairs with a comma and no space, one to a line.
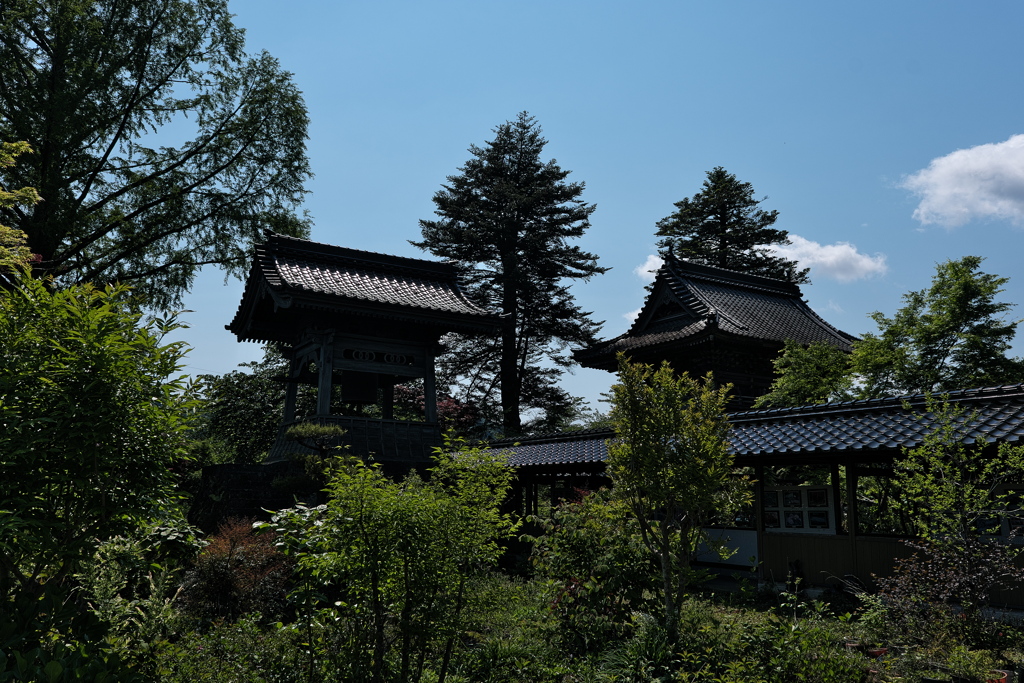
649,269
632,315
840,261
986,181
834,307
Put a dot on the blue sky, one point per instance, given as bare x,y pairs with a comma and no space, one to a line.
882,132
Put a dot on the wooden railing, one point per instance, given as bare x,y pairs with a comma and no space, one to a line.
386,441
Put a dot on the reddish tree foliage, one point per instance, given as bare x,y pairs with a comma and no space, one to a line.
452,414
239,572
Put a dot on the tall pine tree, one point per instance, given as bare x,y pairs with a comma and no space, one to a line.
723,226
507,219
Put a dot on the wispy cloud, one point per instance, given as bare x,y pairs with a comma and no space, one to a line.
649,268
986,181
840,261
646,271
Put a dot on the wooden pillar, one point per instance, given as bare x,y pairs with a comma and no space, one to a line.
429,387
837,497
851,506
325,364
387,408
292,389
759,518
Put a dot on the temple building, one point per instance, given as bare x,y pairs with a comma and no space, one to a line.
811,464
703,319
354,324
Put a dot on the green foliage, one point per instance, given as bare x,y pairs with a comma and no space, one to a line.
237,652
728,646
672,466
94,86
596,569
92,425
951,492
318,437
511,637
950,336
394,560
132,597
952,489
329,453
507,220
243,409
46,637
13,242
816,373
722,226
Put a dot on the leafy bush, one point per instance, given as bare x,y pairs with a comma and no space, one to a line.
935,598
132,595
384,567
93,425
597,570
239,572
239,652
796,642
511,636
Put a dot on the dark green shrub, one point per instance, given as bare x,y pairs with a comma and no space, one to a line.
596,568
240,652
239,572
511,636
937,596
44,637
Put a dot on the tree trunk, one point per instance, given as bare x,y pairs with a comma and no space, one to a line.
511,381
668,584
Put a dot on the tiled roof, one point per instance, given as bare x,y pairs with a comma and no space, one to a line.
299,265
328,277
720,300
819,431
575,447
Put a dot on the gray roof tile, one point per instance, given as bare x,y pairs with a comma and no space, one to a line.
340,272
326,277
720,300
818,431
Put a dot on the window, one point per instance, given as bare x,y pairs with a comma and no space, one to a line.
799,509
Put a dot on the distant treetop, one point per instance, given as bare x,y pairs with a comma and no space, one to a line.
723,226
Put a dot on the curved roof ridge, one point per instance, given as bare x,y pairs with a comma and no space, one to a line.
719,274
813,315
554,437
709,309
324,277
324,251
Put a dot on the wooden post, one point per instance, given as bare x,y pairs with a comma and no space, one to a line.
837,498
429,388
759,519
387,408
291,390
326,367
851,517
